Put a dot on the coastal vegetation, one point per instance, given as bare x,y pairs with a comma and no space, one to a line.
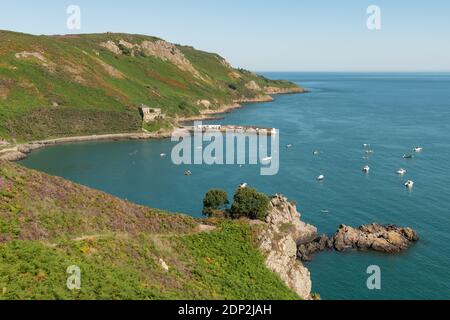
91,85
215,203
250,203
124,251
247,203
58,86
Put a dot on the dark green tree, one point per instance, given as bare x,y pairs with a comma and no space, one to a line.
250,203
215,202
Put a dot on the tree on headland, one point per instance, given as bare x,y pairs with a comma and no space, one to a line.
215,203
250,203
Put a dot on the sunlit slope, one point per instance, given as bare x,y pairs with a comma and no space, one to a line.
53,86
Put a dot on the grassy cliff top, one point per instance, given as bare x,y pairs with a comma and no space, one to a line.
48,224
54,86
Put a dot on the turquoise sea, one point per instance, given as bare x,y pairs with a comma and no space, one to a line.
391,112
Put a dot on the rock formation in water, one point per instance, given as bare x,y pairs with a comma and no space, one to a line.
375,237
278,240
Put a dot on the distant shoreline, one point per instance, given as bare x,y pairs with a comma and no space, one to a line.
21,151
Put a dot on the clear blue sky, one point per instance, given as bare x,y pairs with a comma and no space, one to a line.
283,35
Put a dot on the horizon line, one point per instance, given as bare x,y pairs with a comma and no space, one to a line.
353,71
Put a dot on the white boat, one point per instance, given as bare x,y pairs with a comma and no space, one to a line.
401,172
418,149
409,184
188,173
317,152
162,155
366,145
289,146
366,169
321,178
243,185
369,151
267,159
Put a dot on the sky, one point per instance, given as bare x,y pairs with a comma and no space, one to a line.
263,35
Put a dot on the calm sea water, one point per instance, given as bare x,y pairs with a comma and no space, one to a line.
392,112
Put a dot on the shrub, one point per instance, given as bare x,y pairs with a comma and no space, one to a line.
250,203
215,202
126,51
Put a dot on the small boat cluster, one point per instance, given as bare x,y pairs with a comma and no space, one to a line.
366,169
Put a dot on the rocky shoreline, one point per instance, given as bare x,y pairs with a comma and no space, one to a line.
210,114
372,237
21,151
287,242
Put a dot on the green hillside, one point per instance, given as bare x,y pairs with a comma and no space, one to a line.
48,224
55,86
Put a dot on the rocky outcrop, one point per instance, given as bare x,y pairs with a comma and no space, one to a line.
374,237
112,47
160,49
204,103
168,52
389,239
258,98
234,75
37,56
307,249
278,241
276,90
252,85
12,155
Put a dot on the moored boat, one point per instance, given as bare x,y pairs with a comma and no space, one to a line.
409,184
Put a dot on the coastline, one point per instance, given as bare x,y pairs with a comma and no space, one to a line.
21,151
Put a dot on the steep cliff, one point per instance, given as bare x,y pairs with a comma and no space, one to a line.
278,239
